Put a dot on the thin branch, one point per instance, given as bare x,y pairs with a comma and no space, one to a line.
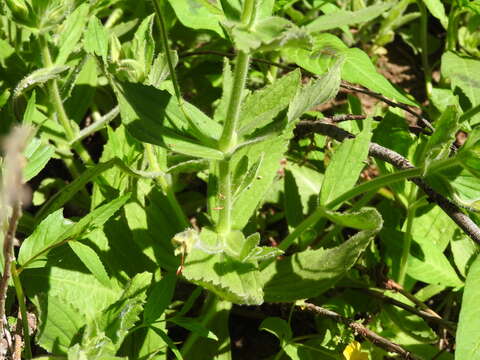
397,160
388,102
360,330
427,316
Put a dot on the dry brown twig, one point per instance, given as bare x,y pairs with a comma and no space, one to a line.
12,195
360,330
397,160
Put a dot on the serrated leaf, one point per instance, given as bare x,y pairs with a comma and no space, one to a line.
38,154
344,17
96,38
72,30
269,34
468,332
59,323
311,272
209,266
263,105
37,77
91,260
345,166
250,176
316,92
143,45
121,316
159,70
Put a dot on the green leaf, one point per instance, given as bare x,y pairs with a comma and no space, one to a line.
168,341
121,316
278,327
345,166
344,17
308,182
209,265
194,14
464,73
293,203
269,34
96,38
464,251
438,145
55,229
263,105
468,332
72,30
91,260
46,235
38,154
159,298
67,192
194,326
437,9
272,150
59,323
154,116
314,93
311,272
359,69
143,45
356,65
37,77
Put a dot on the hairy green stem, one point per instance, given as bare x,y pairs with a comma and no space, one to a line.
424,45
224,197
164,40
228,139
23,311
57,103
166,188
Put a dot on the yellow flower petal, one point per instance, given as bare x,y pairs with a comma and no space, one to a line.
353,351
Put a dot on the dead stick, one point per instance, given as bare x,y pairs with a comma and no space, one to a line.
397,160
360,330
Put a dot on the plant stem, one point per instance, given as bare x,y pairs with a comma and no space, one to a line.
164,40
224,197
166,188
23,311
407,238
228,139
424,44
57,103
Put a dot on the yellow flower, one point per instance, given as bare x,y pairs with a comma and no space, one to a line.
353,351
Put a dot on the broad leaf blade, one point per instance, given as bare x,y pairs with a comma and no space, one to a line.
345,166
91,260
343,17
309,273
468,332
